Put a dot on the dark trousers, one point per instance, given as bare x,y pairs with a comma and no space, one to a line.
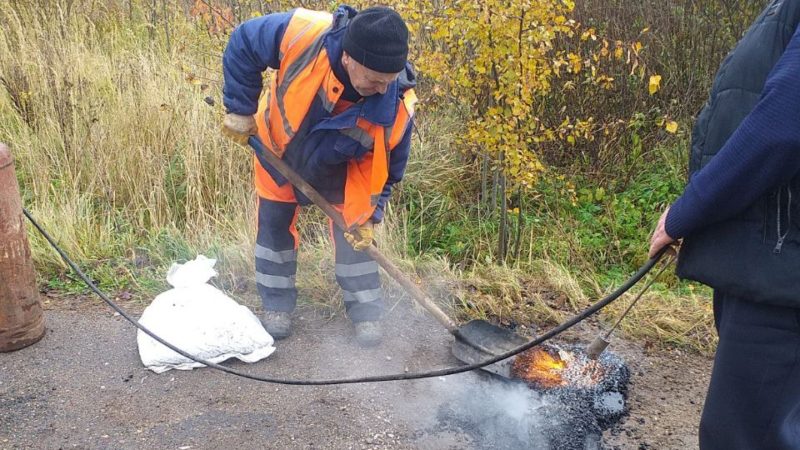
276,265
753,399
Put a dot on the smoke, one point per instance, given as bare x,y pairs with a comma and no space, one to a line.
509,416
495,414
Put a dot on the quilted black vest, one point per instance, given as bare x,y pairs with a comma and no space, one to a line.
755,255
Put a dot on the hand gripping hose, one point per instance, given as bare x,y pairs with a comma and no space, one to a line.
367,379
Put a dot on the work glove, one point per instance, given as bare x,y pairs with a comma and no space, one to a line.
366,233
239,128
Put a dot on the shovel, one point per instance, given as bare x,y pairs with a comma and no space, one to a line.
476,341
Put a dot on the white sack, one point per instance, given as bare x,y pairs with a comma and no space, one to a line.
199,319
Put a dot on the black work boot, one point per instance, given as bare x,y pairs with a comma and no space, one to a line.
277,323
369,333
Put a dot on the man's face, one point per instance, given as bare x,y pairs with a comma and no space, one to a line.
367,81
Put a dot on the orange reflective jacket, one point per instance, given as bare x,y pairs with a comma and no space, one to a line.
305,76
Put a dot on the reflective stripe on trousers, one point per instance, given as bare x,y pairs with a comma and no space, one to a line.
276,255
276,265
357,275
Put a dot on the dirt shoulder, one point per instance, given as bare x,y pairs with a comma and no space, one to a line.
83,386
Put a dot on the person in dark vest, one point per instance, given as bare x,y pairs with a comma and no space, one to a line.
739,219
338,111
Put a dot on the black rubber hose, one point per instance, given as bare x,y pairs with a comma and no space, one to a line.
368,379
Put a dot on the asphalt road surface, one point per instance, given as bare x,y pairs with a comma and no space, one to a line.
83,386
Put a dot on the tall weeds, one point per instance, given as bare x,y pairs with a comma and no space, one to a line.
113,145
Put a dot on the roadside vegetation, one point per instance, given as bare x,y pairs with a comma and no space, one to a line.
549,138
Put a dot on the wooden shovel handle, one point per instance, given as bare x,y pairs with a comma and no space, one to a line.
337,218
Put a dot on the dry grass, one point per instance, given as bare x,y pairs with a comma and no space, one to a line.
665,319
112,145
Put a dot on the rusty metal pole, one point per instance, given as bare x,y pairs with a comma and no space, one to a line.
21,318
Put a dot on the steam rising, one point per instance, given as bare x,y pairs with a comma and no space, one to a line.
497,415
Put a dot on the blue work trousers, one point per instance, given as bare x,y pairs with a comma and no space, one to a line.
753,399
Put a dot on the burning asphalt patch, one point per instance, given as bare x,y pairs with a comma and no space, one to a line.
560,400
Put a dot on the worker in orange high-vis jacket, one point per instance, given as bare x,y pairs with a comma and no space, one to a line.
338,111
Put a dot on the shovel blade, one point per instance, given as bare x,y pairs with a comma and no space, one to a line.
479,340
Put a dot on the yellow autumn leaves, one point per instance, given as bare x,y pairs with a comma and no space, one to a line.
653,86
530,77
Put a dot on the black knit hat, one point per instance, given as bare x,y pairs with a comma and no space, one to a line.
377,38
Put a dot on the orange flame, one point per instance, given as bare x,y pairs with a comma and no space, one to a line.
550,367
540,367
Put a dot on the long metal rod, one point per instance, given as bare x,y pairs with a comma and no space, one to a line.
639,295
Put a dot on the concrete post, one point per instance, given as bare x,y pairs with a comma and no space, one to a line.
21,318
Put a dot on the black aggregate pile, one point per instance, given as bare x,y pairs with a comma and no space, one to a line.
586,410
498,413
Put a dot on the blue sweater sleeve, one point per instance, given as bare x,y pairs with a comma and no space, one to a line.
253,47
397,168
763,153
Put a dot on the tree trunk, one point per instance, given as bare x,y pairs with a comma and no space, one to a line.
502,241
